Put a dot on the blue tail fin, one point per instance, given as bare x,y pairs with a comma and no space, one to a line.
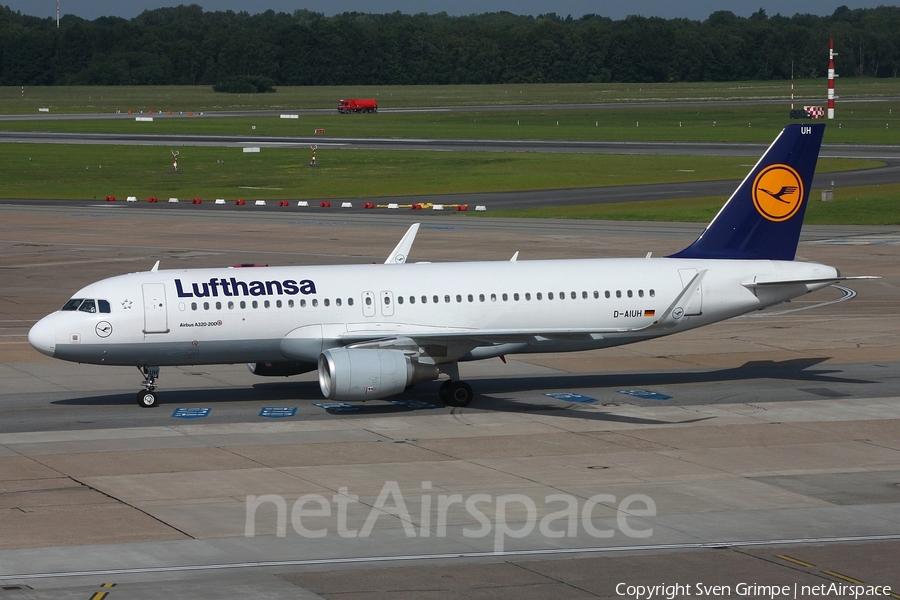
762,219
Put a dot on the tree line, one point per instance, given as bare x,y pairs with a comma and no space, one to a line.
186,46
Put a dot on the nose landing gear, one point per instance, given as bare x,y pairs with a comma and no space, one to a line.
146,398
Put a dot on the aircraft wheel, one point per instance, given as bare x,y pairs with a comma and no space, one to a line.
457,393
146,399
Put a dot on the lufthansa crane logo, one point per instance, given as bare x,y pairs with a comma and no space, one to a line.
778,192
103,329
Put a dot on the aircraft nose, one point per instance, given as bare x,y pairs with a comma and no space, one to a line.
43,337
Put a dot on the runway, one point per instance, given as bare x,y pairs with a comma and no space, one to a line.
763,450
888,174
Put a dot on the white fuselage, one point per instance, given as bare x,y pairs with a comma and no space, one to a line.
474,310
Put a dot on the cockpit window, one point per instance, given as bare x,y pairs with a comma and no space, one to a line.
72,304
88,306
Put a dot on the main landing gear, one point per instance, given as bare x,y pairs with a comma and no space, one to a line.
146,398
454,392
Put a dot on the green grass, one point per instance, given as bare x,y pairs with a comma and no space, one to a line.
861,122
81,99
85,172
95,171
870,205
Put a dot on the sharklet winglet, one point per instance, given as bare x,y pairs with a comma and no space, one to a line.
401,251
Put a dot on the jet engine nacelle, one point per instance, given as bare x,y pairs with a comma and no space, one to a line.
280,369
369,374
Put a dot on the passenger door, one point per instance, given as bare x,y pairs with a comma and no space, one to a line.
694,300
156,318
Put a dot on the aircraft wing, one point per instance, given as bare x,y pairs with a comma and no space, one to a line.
450,343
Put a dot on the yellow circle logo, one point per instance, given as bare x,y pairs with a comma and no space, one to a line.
778,192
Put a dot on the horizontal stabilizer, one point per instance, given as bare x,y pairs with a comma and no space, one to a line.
765,283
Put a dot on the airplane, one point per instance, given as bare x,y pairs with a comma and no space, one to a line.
374,330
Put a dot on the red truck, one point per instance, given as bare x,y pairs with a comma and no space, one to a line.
357,105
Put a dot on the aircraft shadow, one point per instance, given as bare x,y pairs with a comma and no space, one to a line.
788,370
490,391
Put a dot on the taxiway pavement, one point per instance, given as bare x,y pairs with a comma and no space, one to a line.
768,446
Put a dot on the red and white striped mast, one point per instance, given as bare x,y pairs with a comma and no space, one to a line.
792,85
831,76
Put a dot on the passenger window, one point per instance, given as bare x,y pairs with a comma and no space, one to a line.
528,295
88,306
327,302
458,298
218,306
424,299
399,299
574,295
471,298
516,296
640,293
538,296
412,299
193,306
505,297
368,301
481,297
254,304
230,305
596,294
606,293
493,297
349,301
618,293
549,296
291,303
104,306
387,301
278,303
72,304
315,302
303,303
630,293
435,299
243,304
266,304
337,301
206,305
447,299
652,293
